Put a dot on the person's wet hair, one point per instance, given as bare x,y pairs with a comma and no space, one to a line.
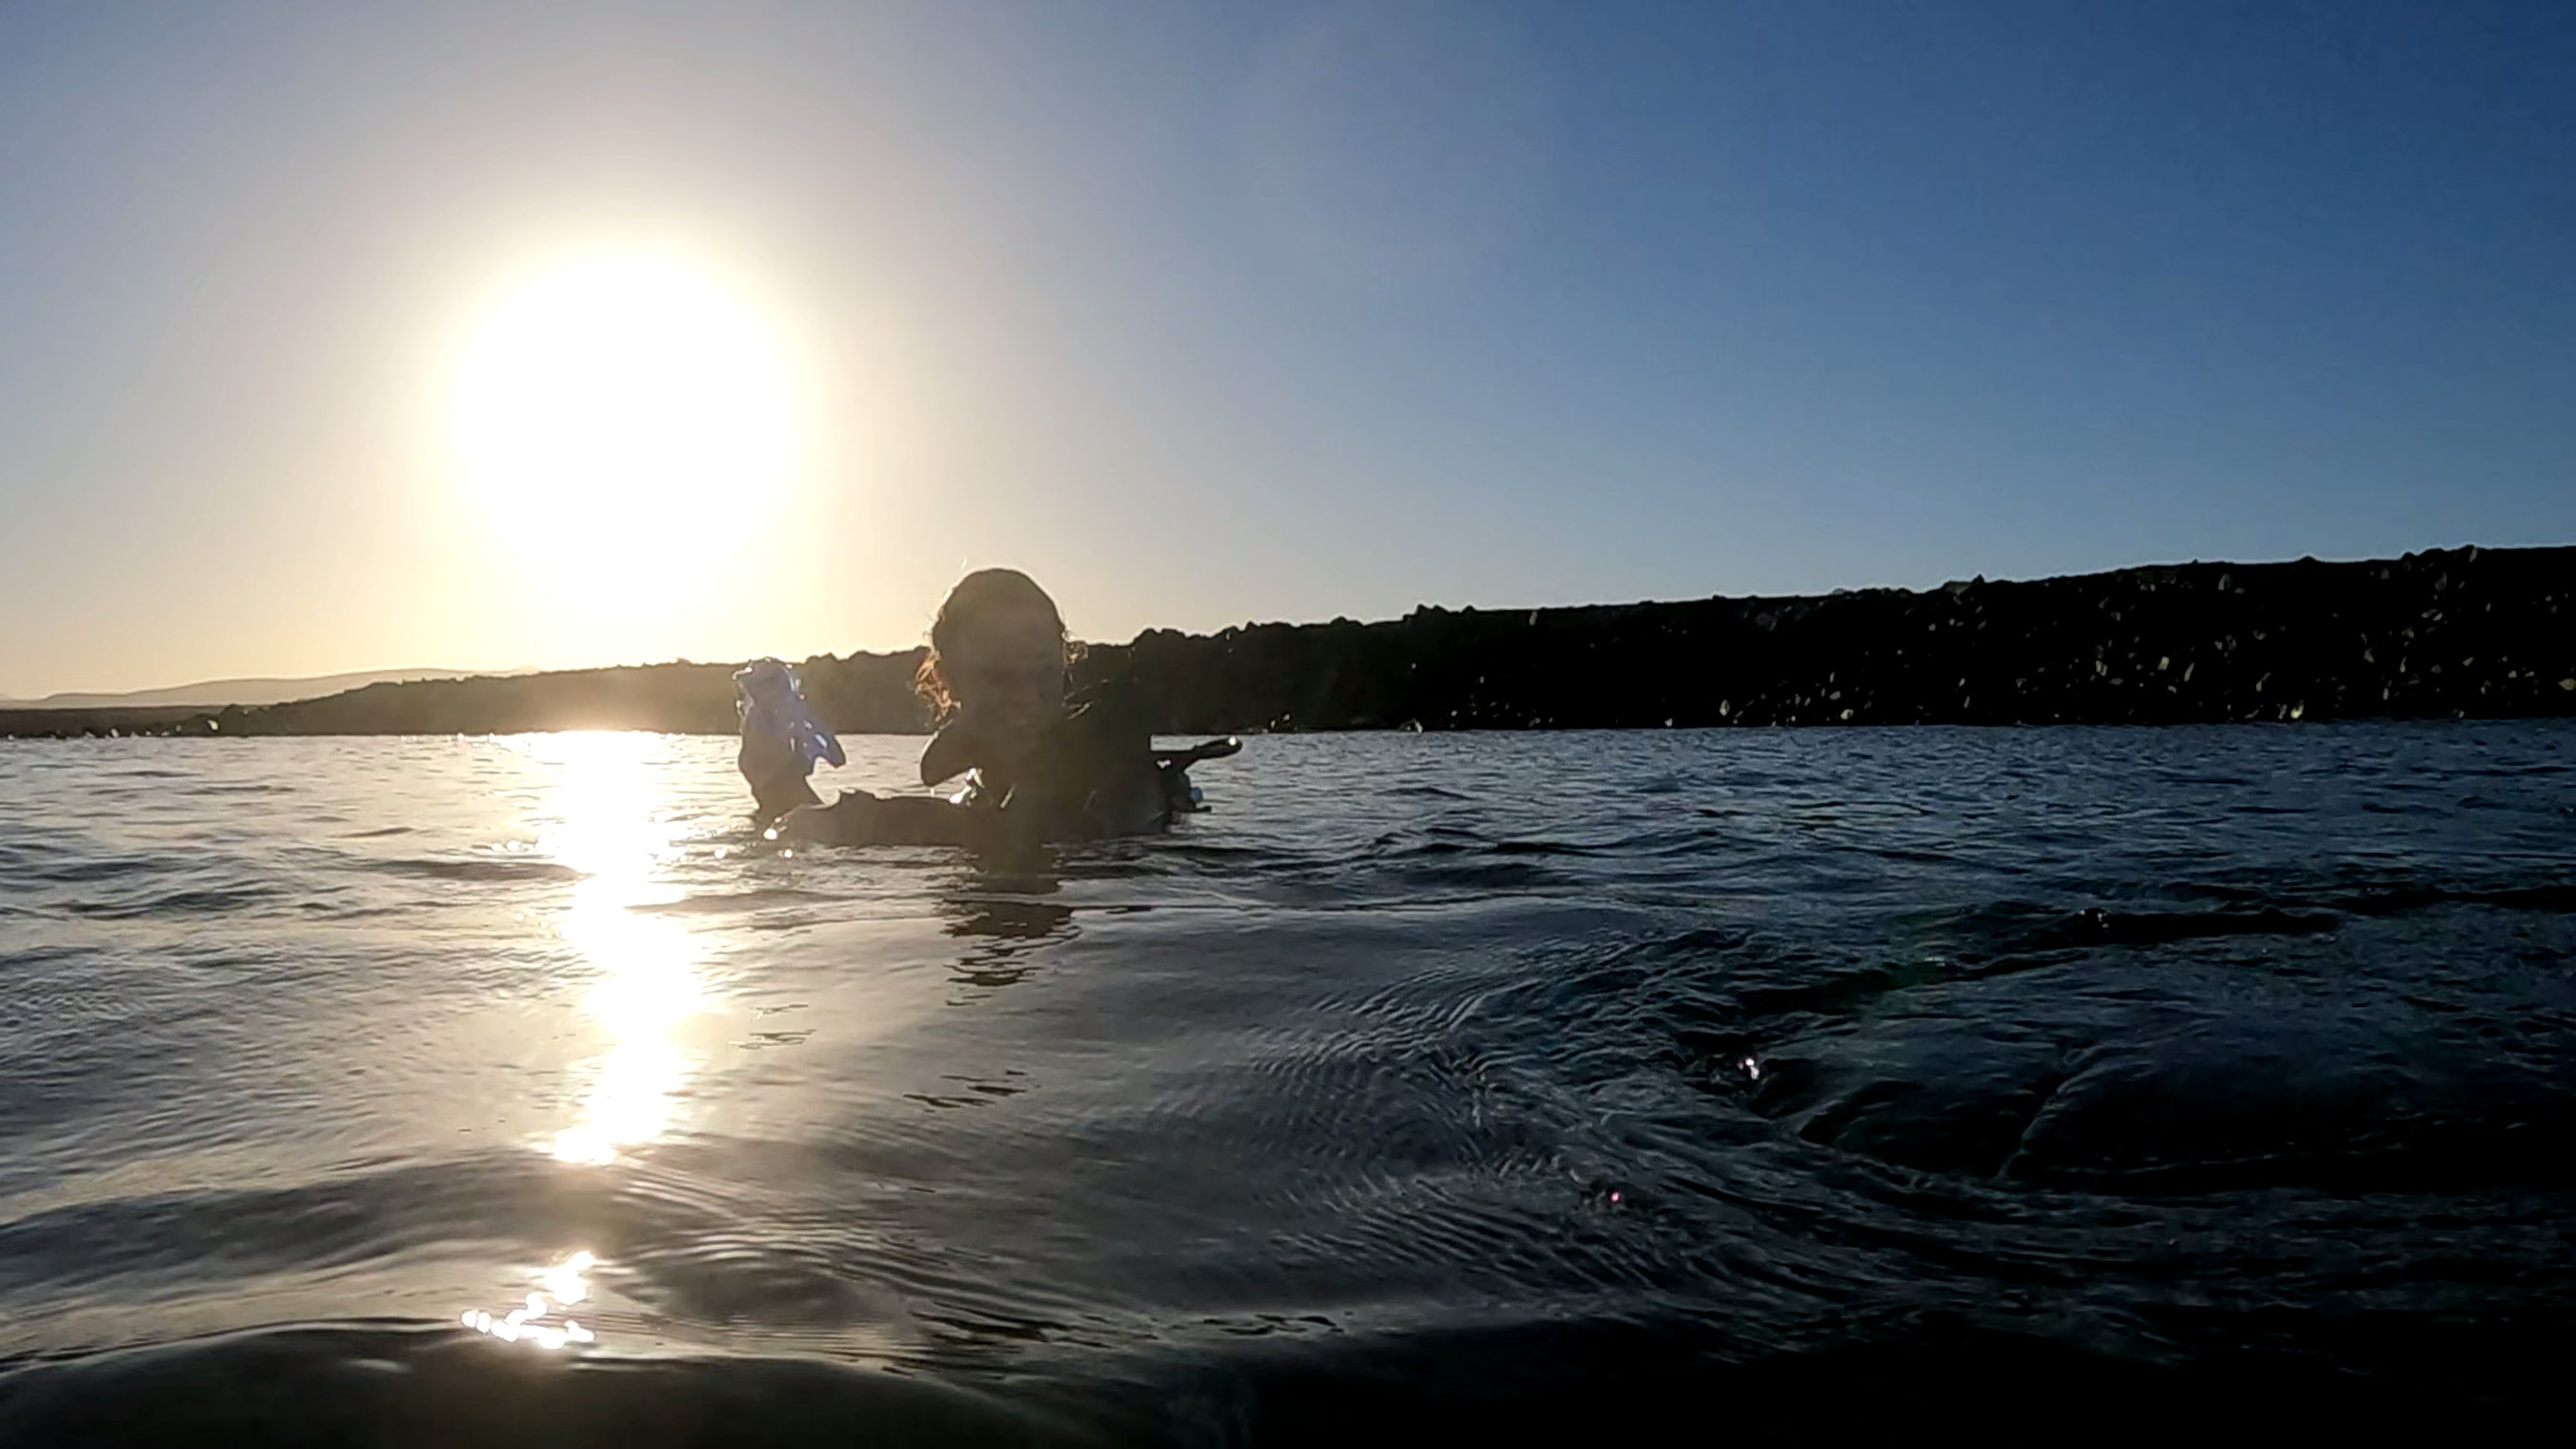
983,594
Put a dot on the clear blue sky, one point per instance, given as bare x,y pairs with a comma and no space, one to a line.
1210,313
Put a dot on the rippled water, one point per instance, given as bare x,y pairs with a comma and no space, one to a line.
430,1090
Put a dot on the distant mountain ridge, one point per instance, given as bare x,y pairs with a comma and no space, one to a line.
219,693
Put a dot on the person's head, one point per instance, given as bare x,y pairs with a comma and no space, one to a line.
998,648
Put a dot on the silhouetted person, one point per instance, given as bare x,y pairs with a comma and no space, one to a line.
1040,764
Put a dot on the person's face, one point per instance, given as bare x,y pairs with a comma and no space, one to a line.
1008,668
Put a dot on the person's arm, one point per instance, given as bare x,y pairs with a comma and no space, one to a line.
859,818
777,777
993,744
951,753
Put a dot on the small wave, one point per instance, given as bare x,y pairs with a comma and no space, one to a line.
486,870
1590,1371
342,1383
74,867
2063,1078
2010,929
720,903
1491,875
319,1224
2258,1103
199,901
2396,900
1394,847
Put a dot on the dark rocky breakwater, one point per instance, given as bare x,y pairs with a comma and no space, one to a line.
2462,633
2478,633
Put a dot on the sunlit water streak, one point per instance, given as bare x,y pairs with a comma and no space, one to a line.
606,827
1452,1076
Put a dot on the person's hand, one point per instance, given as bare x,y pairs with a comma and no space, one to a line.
982,738
776,774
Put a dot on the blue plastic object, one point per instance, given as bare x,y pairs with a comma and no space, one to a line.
771,701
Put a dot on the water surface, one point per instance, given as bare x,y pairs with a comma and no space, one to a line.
1460,1081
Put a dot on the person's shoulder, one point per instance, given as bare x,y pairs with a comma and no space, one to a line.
1107,688
1112,703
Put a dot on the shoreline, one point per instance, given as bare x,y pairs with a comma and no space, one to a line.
2467,633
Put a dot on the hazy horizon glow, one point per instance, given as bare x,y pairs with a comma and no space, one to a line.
343,338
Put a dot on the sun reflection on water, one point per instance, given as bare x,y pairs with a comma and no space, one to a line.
544,1318
604,818
604,825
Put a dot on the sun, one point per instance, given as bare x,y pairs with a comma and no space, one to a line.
618,413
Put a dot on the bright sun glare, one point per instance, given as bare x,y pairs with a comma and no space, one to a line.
622,414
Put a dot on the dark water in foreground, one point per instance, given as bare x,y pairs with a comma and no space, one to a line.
1471,1083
